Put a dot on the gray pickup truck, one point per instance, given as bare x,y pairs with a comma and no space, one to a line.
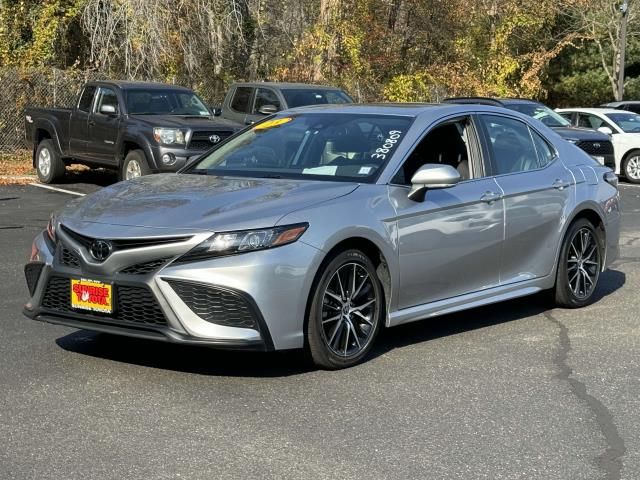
134,127
249,102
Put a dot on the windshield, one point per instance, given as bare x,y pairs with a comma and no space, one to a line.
299,97
628,122
540,112
317,146
165,102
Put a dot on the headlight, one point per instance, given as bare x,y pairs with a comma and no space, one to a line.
231,243
51,228
168,136
572,140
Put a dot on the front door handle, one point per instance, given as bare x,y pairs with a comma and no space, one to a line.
560,184
490,197
92,123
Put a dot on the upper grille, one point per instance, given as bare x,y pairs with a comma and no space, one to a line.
123,244
146,267
131,304
215,304
68,258
200,140
596,148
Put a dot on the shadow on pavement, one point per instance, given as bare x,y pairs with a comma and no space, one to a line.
208,361
94,176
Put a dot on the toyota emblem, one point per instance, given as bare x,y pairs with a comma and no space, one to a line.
596,145
214,138
100,250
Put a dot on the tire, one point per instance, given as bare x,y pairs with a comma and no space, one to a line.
631,166
49,166
341,330
579,266
134,165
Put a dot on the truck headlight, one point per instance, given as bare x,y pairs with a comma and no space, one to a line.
168,136
230,243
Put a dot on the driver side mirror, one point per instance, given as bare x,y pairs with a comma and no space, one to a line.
108,109
605,130
268,109
216,111
432,175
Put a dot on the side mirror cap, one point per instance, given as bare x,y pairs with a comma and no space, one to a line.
216,110
605,130
432,175
268,109
108,109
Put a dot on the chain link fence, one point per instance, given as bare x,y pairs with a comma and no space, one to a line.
59,88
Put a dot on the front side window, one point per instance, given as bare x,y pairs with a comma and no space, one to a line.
106,96
87,97
628,122
587,120
510,144
165,102
299,97
315,146
265,96
446,144
241,98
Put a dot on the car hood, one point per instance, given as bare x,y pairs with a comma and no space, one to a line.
581,134
194,203
186,121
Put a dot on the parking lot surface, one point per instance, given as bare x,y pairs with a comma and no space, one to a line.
510,391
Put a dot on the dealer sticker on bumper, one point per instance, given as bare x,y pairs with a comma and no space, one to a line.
91,295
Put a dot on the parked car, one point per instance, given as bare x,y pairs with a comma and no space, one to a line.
134,127
248,103
596,144
316,227
629,105
624,130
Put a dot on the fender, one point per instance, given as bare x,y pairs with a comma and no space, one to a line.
142,142
49,127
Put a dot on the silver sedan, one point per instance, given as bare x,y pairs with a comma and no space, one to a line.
315,228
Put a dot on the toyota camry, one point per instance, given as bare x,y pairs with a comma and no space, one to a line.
318,228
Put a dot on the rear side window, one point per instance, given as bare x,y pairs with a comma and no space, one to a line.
546,154
511,146
240,101
85,100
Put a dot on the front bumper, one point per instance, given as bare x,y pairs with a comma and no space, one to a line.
180,156
253,301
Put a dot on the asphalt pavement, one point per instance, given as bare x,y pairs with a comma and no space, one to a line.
511,391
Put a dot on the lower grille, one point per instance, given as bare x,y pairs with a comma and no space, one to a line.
596,148
32,273
215,304
131,304
68,258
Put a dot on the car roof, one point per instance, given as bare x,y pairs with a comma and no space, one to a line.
622,102
495,101
287,85
596,111
128,84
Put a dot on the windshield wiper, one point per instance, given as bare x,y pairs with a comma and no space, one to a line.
270,175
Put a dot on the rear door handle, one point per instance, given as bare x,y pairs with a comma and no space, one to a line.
490,197
560,184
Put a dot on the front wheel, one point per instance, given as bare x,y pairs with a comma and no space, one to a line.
346,311
631,166
134,165
579,266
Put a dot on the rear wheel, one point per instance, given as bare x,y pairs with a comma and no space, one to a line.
346,312
579,266
134,165
49,166
631,166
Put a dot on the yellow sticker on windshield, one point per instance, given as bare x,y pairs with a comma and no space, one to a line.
276,122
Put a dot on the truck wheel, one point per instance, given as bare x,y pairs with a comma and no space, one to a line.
134,165
49,166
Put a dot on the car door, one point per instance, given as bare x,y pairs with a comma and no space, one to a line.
79,123
449,244
104,126
240,105
537,191
263,97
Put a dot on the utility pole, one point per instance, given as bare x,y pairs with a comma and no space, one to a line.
622,46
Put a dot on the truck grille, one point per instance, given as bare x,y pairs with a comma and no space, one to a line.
215,304
596,148
202,140
131,304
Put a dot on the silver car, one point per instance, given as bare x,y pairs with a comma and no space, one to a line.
317,227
